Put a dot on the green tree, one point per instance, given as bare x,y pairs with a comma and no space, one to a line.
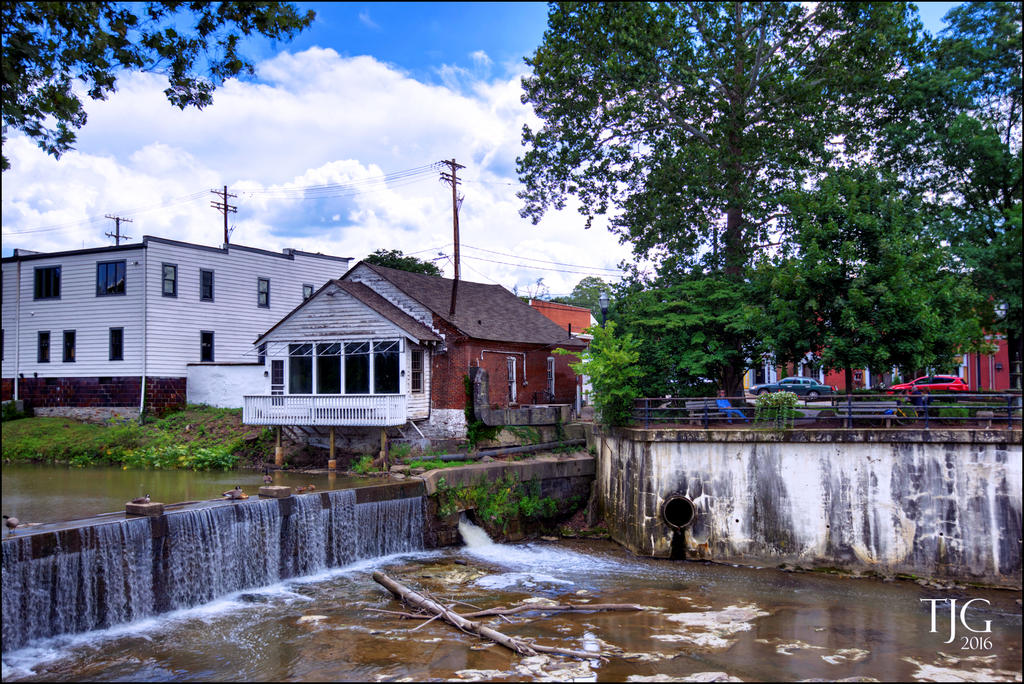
688,331
611,364
687,121
47,46
866,284
587,294
393,258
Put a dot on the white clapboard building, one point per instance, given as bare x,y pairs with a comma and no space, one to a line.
126,327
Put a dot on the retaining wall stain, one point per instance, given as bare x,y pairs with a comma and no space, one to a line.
946,504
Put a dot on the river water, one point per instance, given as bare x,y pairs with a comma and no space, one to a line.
702,622
45,494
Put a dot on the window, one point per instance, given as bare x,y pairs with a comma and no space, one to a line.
263,293
261,354
511,364
116,344
357,368
69,346
328,368
43,347
205,285
300,369
307,292
385,367
551,377
169,276
110,278
417,370
47,282
206,346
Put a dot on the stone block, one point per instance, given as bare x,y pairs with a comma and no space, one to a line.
147,509
275,492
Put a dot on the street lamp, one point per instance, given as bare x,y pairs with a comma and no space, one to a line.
603,301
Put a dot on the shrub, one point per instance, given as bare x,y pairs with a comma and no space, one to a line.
777,408
611,364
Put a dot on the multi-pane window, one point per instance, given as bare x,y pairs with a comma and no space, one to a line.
116,344
110,278
169,280
263,292
357,368
417,370
47,282
307,292
328,368
385,367
43,347
205,285
69,346
206,345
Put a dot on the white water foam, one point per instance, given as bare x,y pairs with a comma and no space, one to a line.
532,565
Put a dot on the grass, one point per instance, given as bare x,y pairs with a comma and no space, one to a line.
196,438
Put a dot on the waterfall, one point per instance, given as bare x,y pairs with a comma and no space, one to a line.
97,576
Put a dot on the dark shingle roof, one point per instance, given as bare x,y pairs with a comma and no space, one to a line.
485,312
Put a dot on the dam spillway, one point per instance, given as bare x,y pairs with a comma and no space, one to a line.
97,576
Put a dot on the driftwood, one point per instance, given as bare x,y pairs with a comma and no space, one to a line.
518,645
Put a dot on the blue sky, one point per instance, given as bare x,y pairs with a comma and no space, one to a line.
370,89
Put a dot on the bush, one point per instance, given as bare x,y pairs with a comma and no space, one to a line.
611,364
778,408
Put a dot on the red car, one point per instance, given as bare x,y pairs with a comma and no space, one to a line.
932,383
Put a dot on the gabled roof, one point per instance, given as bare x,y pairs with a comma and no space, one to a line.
371,299
484,312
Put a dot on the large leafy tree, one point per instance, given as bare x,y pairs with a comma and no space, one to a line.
865,283
587,294
394,258
687,121
49,46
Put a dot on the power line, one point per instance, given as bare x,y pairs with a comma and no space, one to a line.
530,267
613,271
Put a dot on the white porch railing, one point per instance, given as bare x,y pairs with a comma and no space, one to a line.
356,410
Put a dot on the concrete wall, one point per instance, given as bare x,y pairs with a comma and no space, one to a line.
938,503
224,385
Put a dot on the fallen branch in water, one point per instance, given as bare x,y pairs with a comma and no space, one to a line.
518,645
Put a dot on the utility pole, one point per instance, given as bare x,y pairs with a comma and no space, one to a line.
225,208
117,229
452,179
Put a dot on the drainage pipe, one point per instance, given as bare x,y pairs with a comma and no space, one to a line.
678,511
501,451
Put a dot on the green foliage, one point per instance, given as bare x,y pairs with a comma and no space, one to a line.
394,258
197,438
524,433
10,412
777,408
865,280
476,430
364,465
55,51
611,364
496,502
400,452
587,293
694,333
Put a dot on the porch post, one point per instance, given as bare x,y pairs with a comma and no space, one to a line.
331,462
278,451
384,447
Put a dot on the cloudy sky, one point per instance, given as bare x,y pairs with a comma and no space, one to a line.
330,149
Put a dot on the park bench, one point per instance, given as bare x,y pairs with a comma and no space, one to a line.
869,410
713,408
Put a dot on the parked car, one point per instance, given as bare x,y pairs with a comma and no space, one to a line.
808,387
932,383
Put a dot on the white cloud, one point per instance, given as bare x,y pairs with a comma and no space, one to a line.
364,18
311,118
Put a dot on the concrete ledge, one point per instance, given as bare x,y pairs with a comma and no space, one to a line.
150,509
994,435
389,490
543,468
275,492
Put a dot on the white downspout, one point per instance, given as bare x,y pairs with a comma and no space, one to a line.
145,321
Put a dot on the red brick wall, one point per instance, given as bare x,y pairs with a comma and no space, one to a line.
449,368
118,391
6,389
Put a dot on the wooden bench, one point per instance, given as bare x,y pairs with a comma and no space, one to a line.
881,410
